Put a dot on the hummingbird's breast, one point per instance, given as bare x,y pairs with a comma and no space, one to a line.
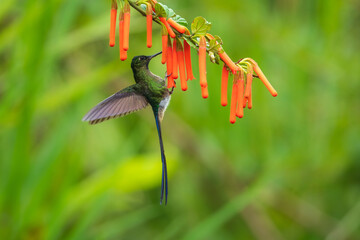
163,105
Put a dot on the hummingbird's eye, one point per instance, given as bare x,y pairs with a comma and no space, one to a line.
142,58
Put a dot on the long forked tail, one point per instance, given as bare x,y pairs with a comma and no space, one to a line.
164,180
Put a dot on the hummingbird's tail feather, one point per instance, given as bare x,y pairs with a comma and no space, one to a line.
120,104
164,179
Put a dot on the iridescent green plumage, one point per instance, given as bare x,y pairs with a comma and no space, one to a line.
149,89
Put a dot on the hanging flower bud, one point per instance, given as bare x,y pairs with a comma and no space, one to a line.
170,31
149,25
113,14
240,96
169,64
178,27
126,25
224,85
234,97
187,53
175,63
180,60
202,61
164,39
123,53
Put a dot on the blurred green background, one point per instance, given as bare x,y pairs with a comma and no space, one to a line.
289,170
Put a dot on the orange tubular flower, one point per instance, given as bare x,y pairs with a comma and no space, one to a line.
224,85
240,97
265,81
187,53
149,26
234,98
262,77
164,38
169,64
204,92
126,25
113,14
178,27
171,32
202,61
123,53
180,60
175,63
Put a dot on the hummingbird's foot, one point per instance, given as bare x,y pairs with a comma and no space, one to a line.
172,89
166,75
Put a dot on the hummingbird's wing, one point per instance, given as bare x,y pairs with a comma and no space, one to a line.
120,104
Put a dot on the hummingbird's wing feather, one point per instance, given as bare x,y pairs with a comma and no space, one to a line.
120,104
164,179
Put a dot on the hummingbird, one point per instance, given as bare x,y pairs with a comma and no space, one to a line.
149,89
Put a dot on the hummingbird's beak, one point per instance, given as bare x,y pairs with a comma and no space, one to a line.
152,56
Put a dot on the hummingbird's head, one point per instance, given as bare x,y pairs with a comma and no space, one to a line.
142,61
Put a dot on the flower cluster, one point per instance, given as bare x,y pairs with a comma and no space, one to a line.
177,40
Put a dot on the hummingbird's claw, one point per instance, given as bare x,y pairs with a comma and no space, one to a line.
166,75
172,89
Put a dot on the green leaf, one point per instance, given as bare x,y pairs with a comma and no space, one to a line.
164,11
170,12
160,10
200,26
